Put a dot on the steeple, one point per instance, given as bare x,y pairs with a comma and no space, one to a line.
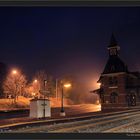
113,41
113,46
114,63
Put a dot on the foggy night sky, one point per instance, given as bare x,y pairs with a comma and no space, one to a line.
67,41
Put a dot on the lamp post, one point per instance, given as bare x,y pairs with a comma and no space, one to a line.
62,111
14,72
56,88
45,82
35,87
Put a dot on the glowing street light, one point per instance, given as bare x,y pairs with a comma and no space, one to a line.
35,81
35,87
67,85
14,72
62,112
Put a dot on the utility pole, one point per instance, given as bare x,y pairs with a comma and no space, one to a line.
56,89
62,112
45,82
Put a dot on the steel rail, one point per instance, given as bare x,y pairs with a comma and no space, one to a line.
73,128
124,126
81,122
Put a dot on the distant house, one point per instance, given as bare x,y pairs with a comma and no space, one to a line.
119,87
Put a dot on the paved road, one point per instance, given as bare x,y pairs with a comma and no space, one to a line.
76,109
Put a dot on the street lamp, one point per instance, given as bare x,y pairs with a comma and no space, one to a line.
35,88
62,112
44,104
35,81
14,72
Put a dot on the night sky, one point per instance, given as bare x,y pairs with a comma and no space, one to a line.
68,41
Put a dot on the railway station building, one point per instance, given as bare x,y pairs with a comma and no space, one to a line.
119,87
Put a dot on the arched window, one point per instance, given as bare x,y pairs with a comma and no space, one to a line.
113,97
133,99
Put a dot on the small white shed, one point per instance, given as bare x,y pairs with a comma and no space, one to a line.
40,108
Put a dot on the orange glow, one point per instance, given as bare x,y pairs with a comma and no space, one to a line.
33,94
93,84
35,81
67,85
14,72
99,84
98,102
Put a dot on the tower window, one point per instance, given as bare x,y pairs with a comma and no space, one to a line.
113,81
113,51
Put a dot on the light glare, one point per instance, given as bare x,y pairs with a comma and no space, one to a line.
67,85
14,71
35,81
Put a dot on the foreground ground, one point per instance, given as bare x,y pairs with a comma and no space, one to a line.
8,118
123,122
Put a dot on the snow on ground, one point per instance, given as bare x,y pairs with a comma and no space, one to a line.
8,104
56,102
23,103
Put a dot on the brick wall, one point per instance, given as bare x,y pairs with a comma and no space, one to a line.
119,88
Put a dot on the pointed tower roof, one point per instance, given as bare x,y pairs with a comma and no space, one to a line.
113,41
114,63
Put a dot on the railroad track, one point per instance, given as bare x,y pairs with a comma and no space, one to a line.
132,127
96,125
80,125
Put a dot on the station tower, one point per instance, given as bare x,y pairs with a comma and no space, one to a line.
119,88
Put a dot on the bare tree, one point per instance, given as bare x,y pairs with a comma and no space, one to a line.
28,91
41,76
38,84
14,84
